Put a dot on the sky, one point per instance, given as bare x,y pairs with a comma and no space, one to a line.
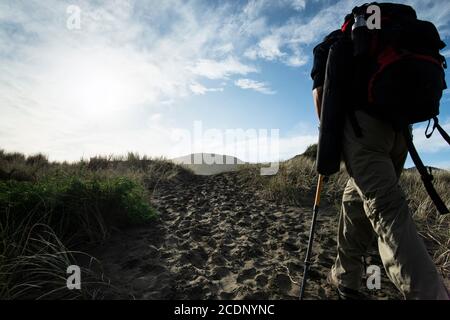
168,78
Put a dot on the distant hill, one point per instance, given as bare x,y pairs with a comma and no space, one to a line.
310,152
209,163
433,169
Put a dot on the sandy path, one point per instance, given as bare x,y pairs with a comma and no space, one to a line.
216,239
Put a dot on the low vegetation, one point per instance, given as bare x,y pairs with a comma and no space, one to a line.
49,211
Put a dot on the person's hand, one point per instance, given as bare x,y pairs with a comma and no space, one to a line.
317,97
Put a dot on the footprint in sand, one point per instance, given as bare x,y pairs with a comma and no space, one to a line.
246,274
281,283
218,259
290,246
262,280
196,257
219,273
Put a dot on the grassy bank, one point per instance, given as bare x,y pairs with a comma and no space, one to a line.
49,211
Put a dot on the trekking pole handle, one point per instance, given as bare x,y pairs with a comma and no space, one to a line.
319,190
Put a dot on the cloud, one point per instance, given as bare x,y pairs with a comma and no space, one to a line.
298,4
287,42
248,84
268,48
199,89
70,92
161,56
65,92
257,7
156,117
442,165
433,145
214,69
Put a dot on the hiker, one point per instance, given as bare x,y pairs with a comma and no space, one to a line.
374,151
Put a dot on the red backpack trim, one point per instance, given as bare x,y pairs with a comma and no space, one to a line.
346,25
390,56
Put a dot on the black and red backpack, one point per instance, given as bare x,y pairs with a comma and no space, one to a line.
394,72
401,61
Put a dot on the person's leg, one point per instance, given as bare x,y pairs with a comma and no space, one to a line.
404,255
355,234
399,153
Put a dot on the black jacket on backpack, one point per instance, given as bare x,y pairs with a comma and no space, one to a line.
321,56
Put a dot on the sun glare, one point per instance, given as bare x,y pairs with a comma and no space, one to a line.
92,85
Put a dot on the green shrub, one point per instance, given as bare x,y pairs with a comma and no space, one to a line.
40,221
98,163
38,160
49,209
74,206
12,156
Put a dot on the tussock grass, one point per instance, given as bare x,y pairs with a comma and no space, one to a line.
49,210
36,267
296,183
433,227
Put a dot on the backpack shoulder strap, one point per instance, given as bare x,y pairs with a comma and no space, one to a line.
441,130
427,177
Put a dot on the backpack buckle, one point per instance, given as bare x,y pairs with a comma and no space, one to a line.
427,133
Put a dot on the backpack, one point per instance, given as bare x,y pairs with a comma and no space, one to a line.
398,76
400,64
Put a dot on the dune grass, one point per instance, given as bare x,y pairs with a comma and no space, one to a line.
49,211
296,182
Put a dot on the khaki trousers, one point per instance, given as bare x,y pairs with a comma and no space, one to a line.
373,205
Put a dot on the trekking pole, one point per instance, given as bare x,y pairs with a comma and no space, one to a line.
311,235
